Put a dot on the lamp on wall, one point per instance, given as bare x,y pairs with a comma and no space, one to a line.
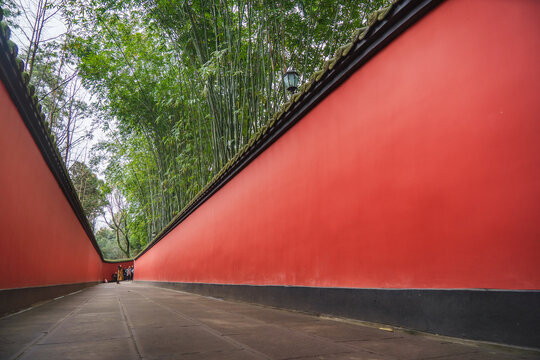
290,79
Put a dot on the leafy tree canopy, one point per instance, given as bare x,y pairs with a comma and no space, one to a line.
90,189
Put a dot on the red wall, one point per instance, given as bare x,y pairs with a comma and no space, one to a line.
421,171
41,239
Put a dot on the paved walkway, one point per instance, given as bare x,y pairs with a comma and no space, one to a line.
135,321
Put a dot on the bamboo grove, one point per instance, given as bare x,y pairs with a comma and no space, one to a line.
180,86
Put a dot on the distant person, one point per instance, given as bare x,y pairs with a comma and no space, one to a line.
120,274
132,271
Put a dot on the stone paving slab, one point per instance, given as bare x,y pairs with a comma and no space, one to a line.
138,321
408,348
118,349
229,324
166,342
76,330
344,332
280,343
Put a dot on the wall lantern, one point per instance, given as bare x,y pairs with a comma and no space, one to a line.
290,78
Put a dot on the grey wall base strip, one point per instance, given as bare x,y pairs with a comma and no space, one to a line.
502,316
13,300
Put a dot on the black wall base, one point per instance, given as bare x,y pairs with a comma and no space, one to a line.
502,316
13,300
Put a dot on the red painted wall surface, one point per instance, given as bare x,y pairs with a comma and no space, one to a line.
41,239
421,171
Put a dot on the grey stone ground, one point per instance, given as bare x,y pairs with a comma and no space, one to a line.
135,321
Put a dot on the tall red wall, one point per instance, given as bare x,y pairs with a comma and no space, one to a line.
41,239
421,171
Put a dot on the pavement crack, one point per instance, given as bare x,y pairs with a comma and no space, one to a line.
448,355
130,328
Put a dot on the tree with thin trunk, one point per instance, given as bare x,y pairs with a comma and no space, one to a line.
117,220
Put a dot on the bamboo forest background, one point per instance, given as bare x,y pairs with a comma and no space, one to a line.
175,88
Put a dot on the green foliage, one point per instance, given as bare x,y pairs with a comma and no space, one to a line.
106,240
58,91
183,85
90,189
122,222
10,11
